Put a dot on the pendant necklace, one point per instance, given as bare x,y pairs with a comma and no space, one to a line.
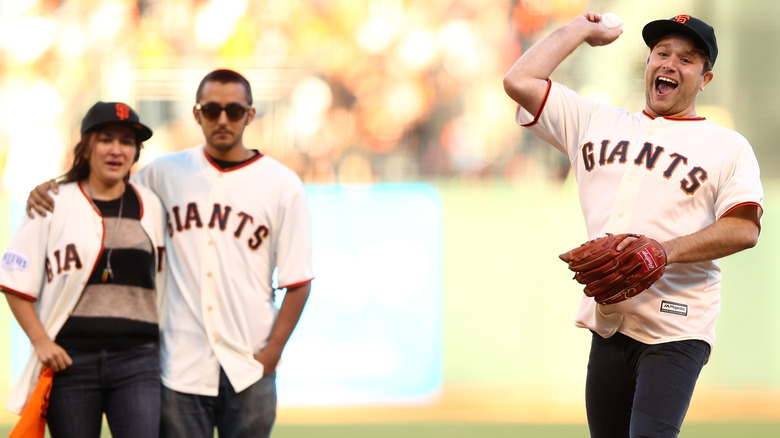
107,272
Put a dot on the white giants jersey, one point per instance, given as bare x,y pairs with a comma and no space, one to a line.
661,177
228,230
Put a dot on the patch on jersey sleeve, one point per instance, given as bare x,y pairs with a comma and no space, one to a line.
674,308
13,260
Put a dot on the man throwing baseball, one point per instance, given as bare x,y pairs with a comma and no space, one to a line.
664,193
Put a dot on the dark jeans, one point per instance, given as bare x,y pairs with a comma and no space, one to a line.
638,390
249,413
124,384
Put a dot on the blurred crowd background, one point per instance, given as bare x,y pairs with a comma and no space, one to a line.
352,91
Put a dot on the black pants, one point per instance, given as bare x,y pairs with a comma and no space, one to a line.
638,390
125,385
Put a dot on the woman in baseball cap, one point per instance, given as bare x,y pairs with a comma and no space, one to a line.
81,282
106,115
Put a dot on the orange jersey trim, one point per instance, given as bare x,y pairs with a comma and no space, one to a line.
7,289
541,106
678,119
294,285
744,204
244,164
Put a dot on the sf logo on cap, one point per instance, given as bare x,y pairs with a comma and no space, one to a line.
122,111
682,18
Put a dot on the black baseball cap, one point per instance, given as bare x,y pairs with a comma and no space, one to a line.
701,32
115,113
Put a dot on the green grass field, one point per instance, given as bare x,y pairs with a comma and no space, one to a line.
480,430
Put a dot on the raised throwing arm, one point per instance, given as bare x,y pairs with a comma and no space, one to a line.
526,82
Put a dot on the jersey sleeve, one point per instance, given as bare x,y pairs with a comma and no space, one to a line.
560,119
23,269
294,241
144,176
742,184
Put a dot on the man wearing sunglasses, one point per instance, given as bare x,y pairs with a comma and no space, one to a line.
235,216
217,129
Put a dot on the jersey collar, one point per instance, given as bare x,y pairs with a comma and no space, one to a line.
679,119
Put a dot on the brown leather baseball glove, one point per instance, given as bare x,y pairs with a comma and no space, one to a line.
611,276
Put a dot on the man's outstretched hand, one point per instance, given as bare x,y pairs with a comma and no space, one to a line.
39,199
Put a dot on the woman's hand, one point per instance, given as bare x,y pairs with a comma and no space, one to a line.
52,355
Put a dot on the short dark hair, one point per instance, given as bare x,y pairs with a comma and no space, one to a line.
707,64
225,76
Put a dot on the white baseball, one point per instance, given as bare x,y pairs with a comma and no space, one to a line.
610,20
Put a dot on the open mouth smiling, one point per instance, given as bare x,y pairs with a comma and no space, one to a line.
664,85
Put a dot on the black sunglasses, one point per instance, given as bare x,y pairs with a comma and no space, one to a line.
212,110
